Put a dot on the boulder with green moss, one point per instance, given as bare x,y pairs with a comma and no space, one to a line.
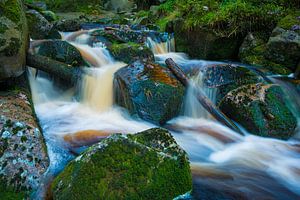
261,109
226,77
148,91
253,51
40,27
130,52
61,51
283,48
14,38
147,165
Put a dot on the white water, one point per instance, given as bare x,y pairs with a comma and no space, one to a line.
253,166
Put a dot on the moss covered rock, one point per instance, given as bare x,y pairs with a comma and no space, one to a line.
61,51
49,15
204,43
253,51
40,27
283,48
148,91
130,52
227,77
261,109
148,165
14,38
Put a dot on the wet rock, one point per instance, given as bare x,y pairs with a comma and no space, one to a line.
261,109
14,39
23,154
205,44
253,51
148,165
40,27
148,91
283,48
61,51
228,77
130,52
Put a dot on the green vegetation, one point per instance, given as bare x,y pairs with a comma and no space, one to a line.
149,165
9,193
225,18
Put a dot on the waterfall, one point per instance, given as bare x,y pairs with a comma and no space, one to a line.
221,159
161,47
192,107
97,86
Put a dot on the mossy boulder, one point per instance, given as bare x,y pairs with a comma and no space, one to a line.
253,51
283,48
148,165
130,52
226,77
261,109
61,51
14,40
148,91
204,43
40,27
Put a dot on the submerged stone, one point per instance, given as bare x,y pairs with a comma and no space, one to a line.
14,39
148,91
261,109
148,165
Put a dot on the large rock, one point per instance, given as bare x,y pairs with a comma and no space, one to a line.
253,51
14,39
148,165
130,52
204,43
226,77
284,48
61,51
261,109
23,153
40,27
148,91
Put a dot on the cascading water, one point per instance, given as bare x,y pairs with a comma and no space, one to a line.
239,167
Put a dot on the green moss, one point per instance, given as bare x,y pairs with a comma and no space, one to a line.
289,21
130,52
13,48
11,9
9,193
123,169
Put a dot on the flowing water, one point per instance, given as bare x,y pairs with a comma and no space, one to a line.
223,162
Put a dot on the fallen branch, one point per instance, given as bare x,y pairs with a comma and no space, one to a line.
201,97
58,69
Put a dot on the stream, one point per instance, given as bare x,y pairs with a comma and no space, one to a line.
241,167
